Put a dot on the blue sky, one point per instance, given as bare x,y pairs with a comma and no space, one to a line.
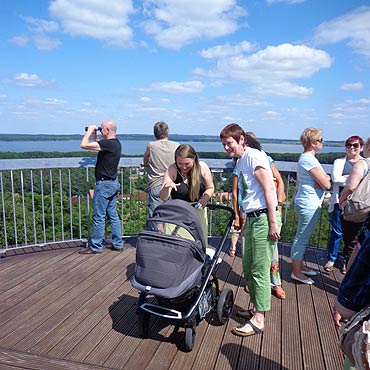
273,66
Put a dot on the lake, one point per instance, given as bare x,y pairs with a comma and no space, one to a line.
138,147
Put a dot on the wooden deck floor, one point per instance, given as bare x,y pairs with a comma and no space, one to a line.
61,310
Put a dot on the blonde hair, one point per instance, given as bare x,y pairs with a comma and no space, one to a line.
310,136
194,175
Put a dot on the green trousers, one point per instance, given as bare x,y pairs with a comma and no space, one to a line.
258,252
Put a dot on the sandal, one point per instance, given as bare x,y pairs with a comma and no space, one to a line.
329,266
240,333
232,252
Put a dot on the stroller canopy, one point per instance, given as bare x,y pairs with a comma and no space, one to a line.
168,261
183,214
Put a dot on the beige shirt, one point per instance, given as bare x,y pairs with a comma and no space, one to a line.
161,156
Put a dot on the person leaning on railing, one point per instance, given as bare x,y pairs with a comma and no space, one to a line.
312,182
158,157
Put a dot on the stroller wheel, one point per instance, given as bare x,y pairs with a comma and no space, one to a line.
189,338
143,322
225,305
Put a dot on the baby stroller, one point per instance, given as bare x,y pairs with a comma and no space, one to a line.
174,274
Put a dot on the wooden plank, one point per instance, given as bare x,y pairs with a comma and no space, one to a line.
84,315
311,346
109,273
29,314
290,322
37,278
92,340
208,352
10,360
323,301
230,347
109,311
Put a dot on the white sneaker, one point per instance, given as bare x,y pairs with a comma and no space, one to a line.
304,281
309,273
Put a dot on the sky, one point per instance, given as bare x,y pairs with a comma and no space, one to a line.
275,67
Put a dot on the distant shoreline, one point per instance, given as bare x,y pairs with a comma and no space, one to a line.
142,137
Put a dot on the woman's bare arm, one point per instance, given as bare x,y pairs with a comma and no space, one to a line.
321,178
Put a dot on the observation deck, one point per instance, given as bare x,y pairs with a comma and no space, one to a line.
61,310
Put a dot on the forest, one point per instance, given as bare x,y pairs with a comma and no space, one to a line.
325,158
54,204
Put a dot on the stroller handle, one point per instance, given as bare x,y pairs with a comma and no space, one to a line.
213,207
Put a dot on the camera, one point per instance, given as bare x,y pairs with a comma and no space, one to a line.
98,129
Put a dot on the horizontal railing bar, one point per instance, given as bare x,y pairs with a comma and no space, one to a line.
43,163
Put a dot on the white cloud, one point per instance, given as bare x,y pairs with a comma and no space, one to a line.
271,69
284,88
352,110
39,29
20,40
352,86
188,87
226,50
272,114
353,26
336,115
242,101
145,99
175,23
53,101
28,80
36,25
103,20
44,42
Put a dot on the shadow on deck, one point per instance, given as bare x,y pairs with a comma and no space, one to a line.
61,310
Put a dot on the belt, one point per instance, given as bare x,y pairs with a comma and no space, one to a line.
104,179
257,213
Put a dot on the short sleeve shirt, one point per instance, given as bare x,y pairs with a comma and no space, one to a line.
251,192
307,194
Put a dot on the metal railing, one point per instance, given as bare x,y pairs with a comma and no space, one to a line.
46,201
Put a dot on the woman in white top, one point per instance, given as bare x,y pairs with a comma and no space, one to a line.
259,202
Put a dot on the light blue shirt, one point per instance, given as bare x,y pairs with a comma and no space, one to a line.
307,195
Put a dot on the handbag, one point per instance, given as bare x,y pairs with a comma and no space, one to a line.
357,205
354,339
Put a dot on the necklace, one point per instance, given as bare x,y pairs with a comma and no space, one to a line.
184,177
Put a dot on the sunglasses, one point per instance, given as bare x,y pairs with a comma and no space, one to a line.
353,145
321,140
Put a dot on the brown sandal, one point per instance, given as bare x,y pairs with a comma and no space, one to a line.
232,252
